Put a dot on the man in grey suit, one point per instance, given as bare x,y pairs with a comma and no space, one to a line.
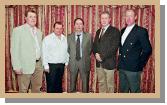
79,49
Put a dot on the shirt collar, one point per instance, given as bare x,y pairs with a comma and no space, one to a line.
106,27
62,36
131,26
80,33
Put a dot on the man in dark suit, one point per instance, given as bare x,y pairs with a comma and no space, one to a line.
105,46
134,51
79,49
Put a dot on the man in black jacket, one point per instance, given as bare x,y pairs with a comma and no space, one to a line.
105,46
134,51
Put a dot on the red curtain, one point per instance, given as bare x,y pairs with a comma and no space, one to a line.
48,14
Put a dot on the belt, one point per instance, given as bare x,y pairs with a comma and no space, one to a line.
56,63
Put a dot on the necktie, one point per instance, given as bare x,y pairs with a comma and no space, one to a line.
78,57
101,34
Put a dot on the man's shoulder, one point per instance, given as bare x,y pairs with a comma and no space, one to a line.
64,37
38,30
86,33
113,28
19,28
47,37
141,28
70,35
98,30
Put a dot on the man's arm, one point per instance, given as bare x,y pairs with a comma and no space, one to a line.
45,55
15,51
94,48
146,47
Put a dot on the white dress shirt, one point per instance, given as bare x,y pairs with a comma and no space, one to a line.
54,50
126,33
33,31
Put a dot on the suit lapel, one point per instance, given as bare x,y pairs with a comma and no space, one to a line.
73,38
28,33
107,31
83,41
122,31
129,35
73,41
39,37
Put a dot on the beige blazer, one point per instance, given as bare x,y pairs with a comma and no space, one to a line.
23,52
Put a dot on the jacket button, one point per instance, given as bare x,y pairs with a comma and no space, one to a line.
131,43
124,56
120,54
127,50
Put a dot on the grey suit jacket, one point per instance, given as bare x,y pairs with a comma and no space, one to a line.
86,50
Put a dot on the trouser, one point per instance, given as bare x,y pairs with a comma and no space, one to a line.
129,81
54,78
105,80
84,77
35,80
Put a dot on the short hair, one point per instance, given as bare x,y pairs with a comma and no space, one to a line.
30,10
78,19
135,13
57,22
106,12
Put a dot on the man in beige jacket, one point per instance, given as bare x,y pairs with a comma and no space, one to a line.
26,54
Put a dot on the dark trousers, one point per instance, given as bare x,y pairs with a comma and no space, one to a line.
54,78
129,81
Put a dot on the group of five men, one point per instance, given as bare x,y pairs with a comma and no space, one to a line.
57,52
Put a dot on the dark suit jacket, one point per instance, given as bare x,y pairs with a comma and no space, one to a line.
107,47
134,53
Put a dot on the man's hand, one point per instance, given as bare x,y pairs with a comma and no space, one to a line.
18,71
66,67
97,55
46,70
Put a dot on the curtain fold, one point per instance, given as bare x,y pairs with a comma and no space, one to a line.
48,14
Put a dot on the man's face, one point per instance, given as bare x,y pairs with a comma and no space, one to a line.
58,30
78,26
31,19
130,17
105,20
